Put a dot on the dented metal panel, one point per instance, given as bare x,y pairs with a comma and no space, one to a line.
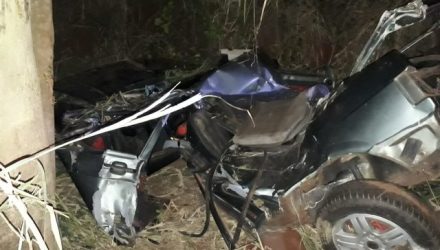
115,201
244,77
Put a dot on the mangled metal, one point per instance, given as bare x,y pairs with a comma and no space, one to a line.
422,36
87,117
252,76
115,201
407,158
390,22
269,154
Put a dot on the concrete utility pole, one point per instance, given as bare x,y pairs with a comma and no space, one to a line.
26,103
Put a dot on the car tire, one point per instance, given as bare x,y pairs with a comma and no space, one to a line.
366,214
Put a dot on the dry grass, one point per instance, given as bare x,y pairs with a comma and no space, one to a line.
79,231
309,237
185,212
21,198
429,192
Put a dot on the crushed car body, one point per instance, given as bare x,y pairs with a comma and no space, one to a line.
295,146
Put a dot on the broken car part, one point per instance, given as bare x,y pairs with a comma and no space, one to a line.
108,181
351,146
115,201
376,219
322,147
419,38
275,158
389,22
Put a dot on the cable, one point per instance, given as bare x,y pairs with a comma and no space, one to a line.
207,195
247,203
212,210
210,206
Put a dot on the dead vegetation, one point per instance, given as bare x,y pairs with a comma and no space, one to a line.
309,237
25,200
325,39
184,212
429,192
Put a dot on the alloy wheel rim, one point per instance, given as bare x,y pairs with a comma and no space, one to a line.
371,232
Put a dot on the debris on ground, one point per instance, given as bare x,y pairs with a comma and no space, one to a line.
185,212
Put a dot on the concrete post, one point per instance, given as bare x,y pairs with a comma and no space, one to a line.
26,103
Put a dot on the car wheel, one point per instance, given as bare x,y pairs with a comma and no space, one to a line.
376,215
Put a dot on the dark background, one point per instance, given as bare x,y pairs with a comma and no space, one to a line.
302,35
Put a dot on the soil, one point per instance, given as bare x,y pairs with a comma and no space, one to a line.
184,212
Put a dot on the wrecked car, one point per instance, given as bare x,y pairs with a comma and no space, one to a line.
337,155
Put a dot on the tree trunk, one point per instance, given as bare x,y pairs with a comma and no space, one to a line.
26,113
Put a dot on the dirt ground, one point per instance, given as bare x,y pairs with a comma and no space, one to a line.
185,212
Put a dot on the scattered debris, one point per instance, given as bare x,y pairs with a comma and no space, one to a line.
273,157
184,211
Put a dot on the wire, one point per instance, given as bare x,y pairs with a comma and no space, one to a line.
211,209
210,206
208,197
247,203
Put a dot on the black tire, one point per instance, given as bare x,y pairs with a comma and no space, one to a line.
379,199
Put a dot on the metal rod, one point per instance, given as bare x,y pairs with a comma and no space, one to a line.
152,140
424,35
